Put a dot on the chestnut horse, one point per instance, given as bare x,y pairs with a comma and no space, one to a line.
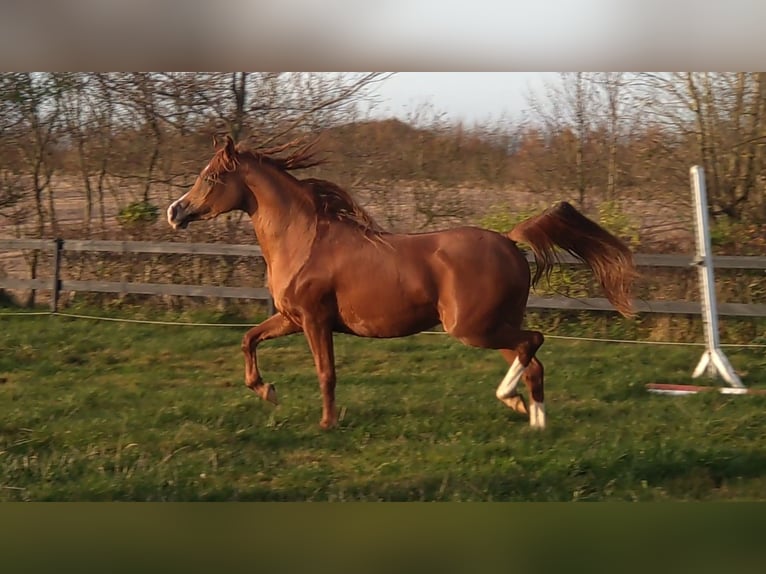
332,269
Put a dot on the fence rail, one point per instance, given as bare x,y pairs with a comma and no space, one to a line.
57,285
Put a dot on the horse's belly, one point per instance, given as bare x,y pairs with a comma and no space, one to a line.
376,319
386,296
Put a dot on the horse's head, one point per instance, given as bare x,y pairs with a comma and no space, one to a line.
219,188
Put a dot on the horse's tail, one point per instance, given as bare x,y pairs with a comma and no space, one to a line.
563,226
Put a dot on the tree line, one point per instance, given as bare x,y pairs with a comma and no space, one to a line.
620,131
114,131
595,136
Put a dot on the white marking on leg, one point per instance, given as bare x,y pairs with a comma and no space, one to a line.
507,386
537,415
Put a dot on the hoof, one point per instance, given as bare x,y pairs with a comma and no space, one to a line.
537,415
269,393
516,403
327,425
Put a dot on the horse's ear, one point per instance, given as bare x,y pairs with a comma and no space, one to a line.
227,141
229,148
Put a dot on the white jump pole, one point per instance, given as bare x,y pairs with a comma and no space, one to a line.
713,360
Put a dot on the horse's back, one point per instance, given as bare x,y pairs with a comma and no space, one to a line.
481,261
470,252
389,285
477,244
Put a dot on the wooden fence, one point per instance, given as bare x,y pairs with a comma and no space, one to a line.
56,285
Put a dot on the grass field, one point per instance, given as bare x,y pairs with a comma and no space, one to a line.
99,411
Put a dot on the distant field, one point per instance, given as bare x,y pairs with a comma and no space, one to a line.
97,411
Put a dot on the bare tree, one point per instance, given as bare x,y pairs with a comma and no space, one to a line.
269,105
566,115
172,110
11,186
142,96
11,190
616,95
87,111
33,102
722,116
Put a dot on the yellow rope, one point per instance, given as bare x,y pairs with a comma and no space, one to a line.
229,325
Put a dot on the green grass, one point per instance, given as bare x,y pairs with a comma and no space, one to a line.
96,411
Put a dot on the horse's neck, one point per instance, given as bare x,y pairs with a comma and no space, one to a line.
285,224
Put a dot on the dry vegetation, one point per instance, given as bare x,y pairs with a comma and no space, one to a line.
100,156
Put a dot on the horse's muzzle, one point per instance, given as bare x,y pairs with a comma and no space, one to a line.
177,216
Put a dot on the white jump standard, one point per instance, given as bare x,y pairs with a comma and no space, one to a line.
713,361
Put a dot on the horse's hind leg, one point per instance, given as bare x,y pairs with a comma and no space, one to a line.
275,326
518,347
506,391
524,365
533,378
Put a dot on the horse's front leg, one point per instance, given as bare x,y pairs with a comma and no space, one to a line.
319,336
275,326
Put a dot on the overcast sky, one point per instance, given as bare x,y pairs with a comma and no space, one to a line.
443,35
467,96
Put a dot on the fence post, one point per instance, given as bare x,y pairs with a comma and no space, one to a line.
58,246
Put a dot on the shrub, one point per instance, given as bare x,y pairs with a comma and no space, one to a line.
138,213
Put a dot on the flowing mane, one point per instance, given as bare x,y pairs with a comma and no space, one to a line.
335,203
331,201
